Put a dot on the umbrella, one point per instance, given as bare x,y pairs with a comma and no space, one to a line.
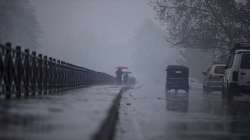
122,67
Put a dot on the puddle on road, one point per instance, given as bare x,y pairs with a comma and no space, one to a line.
176,102
156,115
207,117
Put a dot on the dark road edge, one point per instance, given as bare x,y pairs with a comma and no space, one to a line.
108,126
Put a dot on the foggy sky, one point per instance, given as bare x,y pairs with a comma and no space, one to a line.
99,29
97,34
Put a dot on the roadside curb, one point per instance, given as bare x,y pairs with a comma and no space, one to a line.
108,127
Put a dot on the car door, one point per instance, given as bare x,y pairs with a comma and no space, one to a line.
244,72
228,70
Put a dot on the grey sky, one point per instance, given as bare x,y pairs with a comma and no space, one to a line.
92,33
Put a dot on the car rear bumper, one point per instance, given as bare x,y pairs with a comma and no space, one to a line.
177,84
214,84
244,89
239,89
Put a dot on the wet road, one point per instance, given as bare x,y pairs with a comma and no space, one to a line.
73,115
148,113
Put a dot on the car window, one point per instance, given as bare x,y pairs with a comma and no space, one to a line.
245,61
177,73
219,69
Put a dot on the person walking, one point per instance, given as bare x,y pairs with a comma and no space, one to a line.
119,76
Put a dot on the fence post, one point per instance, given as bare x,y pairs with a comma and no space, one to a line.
45,74
34,73
50,74
58,77
18,71
1,68
40,74
55,74
61,75
66,76
9,71
27,70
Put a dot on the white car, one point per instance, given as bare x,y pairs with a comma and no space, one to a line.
213,79
237,73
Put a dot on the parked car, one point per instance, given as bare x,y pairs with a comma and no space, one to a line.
213,79
177,78
237,73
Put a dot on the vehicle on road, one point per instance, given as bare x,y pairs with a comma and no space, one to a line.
237,73
213,78
177,78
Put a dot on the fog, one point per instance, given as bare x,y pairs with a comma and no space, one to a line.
102,35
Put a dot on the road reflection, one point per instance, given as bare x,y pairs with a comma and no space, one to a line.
240,116
177,101
20,118
73,115
207,116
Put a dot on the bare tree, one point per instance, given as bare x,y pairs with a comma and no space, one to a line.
204,24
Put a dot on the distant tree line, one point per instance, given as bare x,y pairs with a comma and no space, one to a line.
18,23
204,24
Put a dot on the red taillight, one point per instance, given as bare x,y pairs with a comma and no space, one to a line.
235,75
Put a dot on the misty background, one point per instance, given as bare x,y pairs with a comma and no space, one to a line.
95,34
102,35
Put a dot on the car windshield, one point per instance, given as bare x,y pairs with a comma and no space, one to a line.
245,61
219,69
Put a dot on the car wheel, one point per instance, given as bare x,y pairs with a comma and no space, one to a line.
206,89
223,92
230,91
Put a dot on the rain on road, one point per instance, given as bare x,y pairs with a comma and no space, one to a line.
148,113
72,115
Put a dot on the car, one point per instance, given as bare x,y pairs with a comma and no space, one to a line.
177,78
237,72
213,77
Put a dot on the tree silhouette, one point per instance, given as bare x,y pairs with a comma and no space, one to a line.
204,23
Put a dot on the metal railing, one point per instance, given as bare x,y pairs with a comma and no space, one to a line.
25,73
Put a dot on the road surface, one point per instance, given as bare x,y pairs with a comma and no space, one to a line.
148,113
73,115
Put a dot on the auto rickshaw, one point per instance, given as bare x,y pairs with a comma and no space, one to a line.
177,78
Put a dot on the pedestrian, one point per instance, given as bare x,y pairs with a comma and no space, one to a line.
119,76
125,78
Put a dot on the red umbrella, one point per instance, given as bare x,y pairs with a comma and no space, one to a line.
122,67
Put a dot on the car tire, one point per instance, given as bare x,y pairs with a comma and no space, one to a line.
230,91
206,89
223,92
